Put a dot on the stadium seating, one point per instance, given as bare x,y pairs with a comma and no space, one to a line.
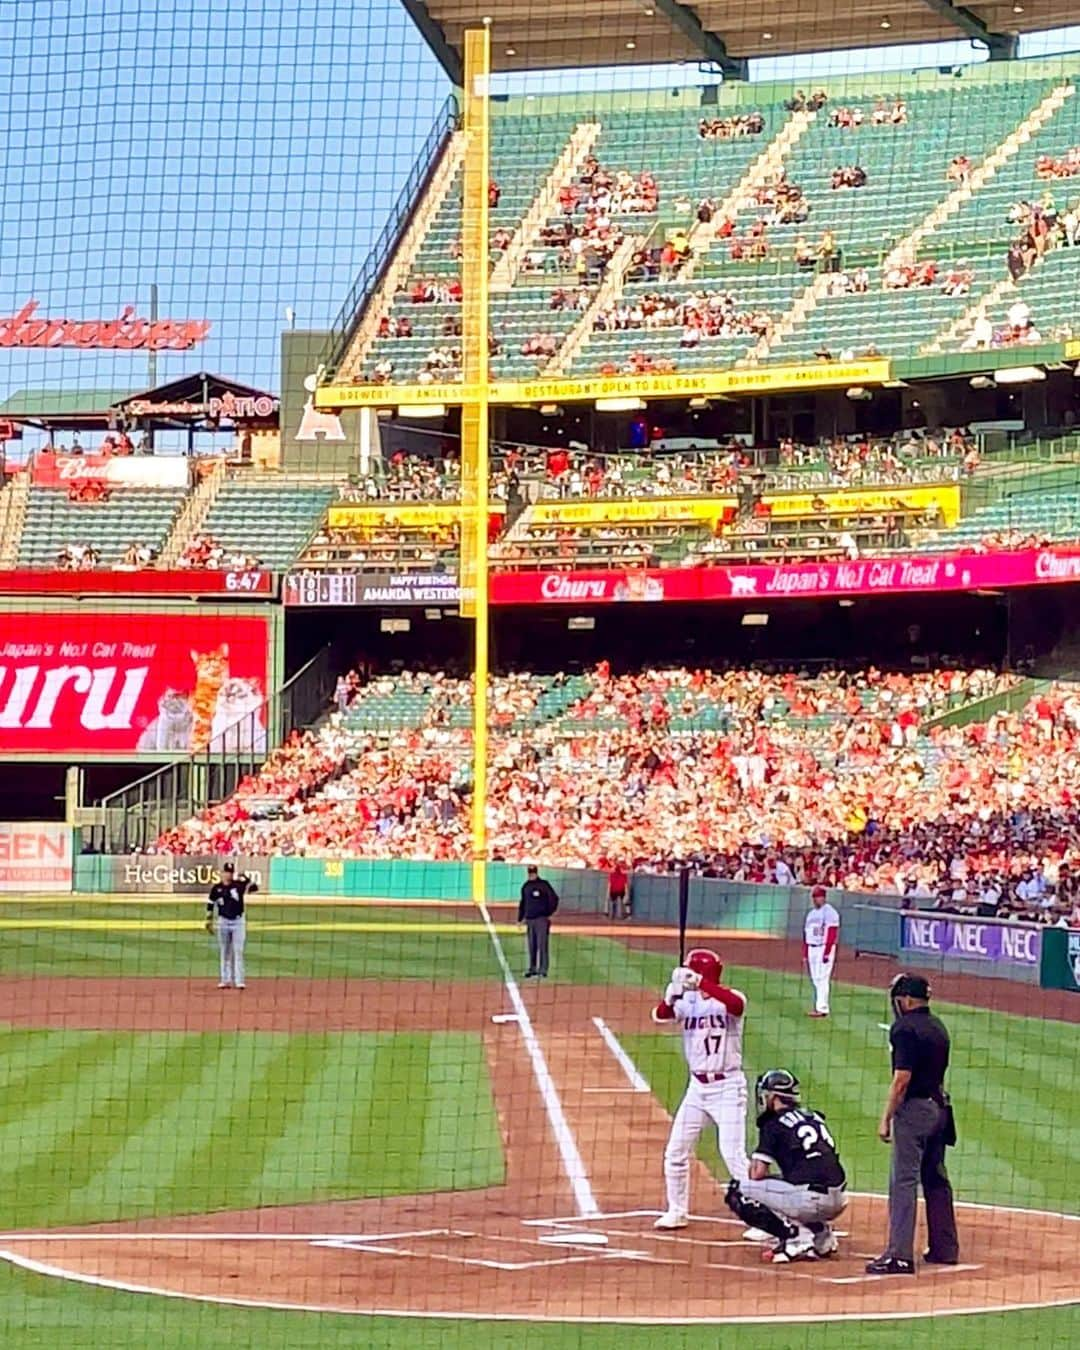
906,179
128,516
1050,515
268,521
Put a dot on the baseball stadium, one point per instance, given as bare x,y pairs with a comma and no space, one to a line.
540,674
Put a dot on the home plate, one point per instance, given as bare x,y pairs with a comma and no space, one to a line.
501,1018
575,1240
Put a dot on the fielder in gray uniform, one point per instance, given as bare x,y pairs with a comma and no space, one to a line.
797,1206
226,904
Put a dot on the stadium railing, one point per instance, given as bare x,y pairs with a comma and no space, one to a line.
132,818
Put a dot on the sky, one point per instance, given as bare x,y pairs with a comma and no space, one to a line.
242,154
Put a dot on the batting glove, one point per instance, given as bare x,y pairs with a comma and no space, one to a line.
691,979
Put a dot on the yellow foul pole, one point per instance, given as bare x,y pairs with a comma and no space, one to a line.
474,417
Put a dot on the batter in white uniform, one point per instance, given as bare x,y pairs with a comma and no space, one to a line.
710,1016
820,931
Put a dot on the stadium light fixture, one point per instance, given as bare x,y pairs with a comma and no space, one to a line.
858,394
886,24
511,51
981,382
631,44
1019,375
421,409
766,37
754,620
1018,9
580,623
620,404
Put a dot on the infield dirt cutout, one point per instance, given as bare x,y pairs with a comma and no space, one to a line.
518,1250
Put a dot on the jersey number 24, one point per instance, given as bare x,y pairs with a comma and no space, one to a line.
812,1135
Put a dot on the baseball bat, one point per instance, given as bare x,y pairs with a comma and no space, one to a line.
684,909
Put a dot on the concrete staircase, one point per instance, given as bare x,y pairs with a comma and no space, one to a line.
803,307
906,248
192,515
608,292
545,204
13,503
951,336
446,172
1012,144
760,173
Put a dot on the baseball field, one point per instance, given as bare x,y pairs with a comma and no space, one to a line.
351,1151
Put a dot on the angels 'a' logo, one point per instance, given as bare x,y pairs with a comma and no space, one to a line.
316,425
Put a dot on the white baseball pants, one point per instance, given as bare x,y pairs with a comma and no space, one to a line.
231,936
724,1104
820,975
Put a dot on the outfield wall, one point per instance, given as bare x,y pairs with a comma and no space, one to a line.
870,924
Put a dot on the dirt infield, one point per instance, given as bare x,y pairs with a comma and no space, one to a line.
521,1250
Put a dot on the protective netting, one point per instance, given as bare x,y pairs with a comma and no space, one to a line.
538,573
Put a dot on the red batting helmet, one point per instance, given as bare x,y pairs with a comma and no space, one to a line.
706,963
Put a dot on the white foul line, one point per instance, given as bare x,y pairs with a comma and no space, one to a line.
572,1161
637,1081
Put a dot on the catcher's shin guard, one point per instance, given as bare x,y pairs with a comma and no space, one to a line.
756,1215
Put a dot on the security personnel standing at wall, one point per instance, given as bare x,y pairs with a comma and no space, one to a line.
918,1119
538,903
226,901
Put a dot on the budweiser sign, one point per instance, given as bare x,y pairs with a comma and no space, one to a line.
230,407
128,333
157,683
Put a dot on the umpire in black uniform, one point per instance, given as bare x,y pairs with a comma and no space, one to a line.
918,1118
538,903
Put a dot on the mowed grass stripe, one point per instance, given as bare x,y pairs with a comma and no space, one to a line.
232,1126
459,1136
51,1149
315,1151
128,1151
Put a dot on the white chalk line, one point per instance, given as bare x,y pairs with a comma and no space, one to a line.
633,1073
276,1305
572,1161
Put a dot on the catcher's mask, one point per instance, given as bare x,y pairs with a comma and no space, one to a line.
705,963
907,986
780,1083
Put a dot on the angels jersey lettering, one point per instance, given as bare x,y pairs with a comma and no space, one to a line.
712,1037
818,923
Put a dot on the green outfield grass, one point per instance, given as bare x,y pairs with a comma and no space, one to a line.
97,1126
302,940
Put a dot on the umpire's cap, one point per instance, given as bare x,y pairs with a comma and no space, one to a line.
910,986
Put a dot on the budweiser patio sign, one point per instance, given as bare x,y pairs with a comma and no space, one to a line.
127,333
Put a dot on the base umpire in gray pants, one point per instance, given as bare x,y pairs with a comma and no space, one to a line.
797,1206
538,903
918,1119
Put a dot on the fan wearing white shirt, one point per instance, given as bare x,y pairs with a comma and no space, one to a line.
820,931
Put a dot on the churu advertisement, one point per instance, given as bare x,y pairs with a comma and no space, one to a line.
153,684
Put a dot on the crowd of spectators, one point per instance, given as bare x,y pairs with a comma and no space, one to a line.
800,102
205,554
847,176
884,113
730,128
78,557
702,314
1059,166
756,775
576,471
